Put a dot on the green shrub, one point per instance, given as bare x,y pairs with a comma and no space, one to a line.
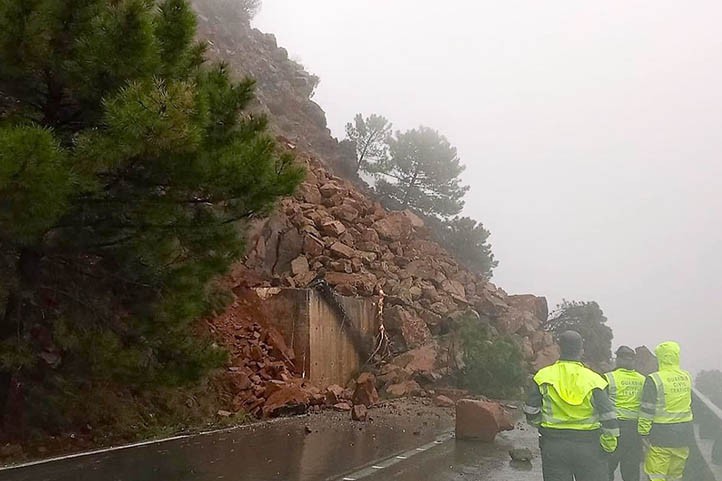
493,367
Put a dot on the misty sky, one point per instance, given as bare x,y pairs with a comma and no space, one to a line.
590,132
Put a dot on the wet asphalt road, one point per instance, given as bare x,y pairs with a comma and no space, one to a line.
334,450
281,450
469,461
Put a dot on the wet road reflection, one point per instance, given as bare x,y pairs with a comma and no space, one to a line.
283,450
470,461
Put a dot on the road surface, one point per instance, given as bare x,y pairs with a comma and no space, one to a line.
388,447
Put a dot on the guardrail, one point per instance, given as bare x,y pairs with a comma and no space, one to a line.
705,457
708,416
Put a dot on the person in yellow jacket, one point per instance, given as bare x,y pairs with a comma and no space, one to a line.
577,422
665,416
625,392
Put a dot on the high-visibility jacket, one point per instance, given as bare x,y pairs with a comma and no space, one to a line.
673,403
625,392
566,388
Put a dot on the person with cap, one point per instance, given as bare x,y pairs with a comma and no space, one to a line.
665,416
625,392
576,420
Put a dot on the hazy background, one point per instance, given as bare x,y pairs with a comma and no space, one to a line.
590,131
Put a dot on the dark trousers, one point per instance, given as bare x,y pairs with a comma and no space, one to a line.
572,459
628,455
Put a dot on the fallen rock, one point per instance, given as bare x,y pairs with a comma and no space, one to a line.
312,245
404,389
342,407
339,249
412,329
419,360
538,306
359,412
416,221
365,393
288,400
522,455
452,393
329,190
444,402
546,357
334,394
334,228
299,266
480,420
394,227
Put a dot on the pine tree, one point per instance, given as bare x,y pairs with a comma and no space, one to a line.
422,173
370,138
467,240
127,174
587,318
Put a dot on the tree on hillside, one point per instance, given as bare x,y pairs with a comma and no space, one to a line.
467,240
588,320
422,173
710,384
237,9
370,138
127,174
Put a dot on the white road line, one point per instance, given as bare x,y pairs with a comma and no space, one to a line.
369,470
136,445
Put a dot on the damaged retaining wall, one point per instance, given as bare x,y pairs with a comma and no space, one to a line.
324,349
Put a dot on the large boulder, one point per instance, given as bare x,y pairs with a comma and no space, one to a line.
546,357
365,392
286,400
481,420
363,282
416,221
413,331
530,303
420,360
394,227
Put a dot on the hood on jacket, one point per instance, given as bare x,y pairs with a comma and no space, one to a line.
668,354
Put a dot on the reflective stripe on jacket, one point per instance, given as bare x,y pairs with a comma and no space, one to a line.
566,388
625,392
673,386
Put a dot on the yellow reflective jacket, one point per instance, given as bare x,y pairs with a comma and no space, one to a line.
566,388
673,403
625,392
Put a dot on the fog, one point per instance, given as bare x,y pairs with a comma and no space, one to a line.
590,132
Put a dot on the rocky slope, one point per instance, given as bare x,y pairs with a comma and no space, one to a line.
334,228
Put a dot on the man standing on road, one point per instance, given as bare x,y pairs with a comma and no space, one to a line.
576,420
625,392
665,418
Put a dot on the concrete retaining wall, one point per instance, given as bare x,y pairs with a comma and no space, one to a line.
325,351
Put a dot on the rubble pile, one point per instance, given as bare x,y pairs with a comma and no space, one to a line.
332,229
262,378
